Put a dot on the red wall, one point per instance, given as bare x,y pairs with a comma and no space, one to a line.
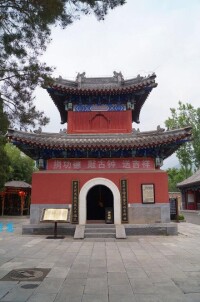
100,122
55,187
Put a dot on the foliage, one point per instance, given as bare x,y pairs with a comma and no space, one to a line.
21,166
25,29
181,217
4,160
175,176
187,115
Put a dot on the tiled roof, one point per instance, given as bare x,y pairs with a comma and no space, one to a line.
17,184
135,140
194,179
107,85
137,90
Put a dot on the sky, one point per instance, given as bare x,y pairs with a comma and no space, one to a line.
140,37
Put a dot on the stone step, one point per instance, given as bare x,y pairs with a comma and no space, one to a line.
92,226
100,235
98,230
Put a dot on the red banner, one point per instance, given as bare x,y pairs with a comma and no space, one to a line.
101,164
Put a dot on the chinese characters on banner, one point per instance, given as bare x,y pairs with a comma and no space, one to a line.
75,205
124,200
148,193
100,164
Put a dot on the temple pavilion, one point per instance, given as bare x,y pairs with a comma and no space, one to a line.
100,167
190,192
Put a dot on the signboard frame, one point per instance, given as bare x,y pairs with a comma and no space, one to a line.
124,200
75,202
54,215
148,193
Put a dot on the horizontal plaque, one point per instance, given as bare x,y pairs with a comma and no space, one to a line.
101,164
60,215
99,107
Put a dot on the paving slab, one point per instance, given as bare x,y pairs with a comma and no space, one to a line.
72,289
189,285
121,289
122,298
68,298
17,294
194,297
97,272
43,297
144,287
149,298
58,272
50,285
118,279
137,269
96,286
95,298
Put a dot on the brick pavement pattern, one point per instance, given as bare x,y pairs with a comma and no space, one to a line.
136,269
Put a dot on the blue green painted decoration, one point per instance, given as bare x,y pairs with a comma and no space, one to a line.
101,107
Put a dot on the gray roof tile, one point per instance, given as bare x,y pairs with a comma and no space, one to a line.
66,141
195,178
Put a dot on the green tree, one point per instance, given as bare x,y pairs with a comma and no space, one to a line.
21,166
187,115
25,30
4,160
175,176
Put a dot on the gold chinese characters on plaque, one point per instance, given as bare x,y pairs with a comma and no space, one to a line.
148,194
60,215
75,201
124,200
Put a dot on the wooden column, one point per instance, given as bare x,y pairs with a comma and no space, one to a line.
3,204
22,195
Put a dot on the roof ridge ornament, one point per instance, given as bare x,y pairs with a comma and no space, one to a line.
118,76
62,131
80,77
159,129
38,131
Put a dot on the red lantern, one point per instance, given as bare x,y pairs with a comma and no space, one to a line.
21,193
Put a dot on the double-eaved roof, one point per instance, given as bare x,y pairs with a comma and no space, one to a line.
115,88
165,142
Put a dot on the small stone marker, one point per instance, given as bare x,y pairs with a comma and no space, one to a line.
120,231
79,232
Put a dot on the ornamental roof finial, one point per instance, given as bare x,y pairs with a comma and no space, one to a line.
79,78
118,76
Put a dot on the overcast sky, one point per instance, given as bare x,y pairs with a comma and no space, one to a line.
141,37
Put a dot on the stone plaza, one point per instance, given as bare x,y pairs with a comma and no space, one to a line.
139,268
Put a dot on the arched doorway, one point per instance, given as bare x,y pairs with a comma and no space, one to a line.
99,198
83,198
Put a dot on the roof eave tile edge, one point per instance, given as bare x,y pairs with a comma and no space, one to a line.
62,83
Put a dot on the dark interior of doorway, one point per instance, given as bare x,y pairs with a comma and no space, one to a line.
98,199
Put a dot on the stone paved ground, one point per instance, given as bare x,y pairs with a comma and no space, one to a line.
140,269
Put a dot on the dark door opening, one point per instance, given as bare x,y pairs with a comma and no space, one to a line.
98,199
